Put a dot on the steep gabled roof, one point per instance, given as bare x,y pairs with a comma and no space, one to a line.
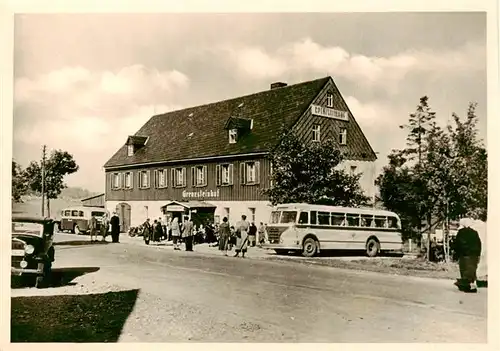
200,131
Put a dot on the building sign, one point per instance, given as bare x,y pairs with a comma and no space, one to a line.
201,193
329,112
175,208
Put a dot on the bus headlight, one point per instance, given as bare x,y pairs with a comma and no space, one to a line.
29,249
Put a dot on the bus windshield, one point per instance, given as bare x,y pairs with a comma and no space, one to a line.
275,217
288,217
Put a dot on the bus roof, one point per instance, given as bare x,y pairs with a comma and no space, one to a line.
327,208
82,208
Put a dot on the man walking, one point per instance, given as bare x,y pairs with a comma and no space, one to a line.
93,228
105,226
242,236
187,233
468,250
252,234
176,232
262,234
115,228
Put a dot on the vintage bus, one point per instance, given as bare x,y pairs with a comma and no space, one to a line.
309,228
76,219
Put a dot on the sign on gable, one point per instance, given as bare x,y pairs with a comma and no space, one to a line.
329,112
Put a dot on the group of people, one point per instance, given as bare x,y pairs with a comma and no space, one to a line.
108,226
242,236
175,231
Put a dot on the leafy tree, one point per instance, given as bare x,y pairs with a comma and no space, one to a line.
306,173
19,186
59,164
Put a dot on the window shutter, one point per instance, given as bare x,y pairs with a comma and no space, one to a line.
122,180
193,177
156,183
165,180
242,172
184,175
230,174
131,180
218,175
257,172
205,180
140,179
149,179
172,173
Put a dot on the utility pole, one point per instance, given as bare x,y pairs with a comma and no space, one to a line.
43,180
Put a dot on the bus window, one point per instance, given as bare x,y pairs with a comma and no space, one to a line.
304,218
67,213
366,220
353,220
74,213
324,218
80,213
288,217
338,219
380,222
275,217
313,217
97,214
393,222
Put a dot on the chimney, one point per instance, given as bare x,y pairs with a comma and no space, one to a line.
278,85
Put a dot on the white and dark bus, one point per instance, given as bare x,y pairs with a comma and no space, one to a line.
309,228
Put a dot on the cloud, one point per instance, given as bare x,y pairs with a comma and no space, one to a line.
308,56
89,113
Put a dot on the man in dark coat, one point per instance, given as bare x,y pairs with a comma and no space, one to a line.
468,249
187,233
115,228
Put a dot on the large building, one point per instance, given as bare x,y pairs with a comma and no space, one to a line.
214,156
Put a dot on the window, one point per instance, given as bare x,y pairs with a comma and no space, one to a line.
130,150
288,217
380,222
179,177
366,220
74,213
338,219
329,100
252,214
161,178
144,179
97,214
323,218
275,217
198,176
393,223
233,134
224,174
80,213
128,180
316,130
116,181
313,217
250,172
304,218
343,136
352,220
353,170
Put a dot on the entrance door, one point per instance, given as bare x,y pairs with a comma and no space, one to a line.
124,212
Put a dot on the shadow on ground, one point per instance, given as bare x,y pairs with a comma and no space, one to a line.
59,277
71,318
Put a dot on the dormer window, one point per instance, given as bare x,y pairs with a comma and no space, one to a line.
329,100
130,150
233,134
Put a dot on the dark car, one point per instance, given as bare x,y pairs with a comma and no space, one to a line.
32,249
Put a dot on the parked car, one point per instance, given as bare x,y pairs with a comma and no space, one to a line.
32,248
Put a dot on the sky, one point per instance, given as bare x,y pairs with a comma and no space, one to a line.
83,83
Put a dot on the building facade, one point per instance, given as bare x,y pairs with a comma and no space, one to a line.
217,152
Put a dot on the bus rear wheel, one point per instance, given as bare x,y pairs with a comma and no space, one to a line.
309,248
372,247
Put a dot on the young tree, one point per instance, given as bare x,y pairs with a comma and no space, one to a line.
19,186
58,165
306,173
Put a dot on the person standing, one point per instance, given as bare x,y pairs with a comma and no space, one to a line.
252,234
468,249
147,230
115,228
176,232
224,236
262,234
242,228
104,226
187,233
93,228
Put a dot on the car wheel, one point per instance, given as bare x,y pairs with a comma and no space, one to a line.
372,247
309,248
42,281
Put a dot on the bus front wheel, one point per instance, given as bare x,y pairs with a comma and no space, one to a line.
309,248
372,247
